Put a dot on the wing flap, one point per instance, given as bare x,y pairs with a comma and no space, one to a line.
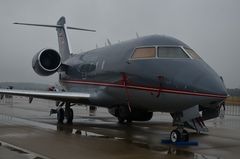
73,97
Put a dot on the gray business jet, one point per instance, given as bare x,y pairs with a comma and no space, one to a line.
132,79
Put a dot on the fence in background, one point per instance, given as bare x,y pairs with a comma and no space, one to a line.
233,110
7,100
230,109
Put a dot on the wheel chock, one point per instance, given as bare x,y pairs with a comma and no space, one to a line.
180,143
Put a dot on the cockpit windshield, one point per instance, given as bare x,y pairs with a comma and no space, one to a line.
193,54
144,53
171,52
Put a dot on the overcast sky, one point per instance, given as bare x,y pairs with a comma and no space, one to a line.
210,27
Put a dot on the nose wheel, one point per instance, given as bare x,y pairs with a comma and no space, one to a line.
178,135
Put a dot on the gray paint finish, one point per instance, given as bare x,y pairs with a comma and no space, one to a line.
178,74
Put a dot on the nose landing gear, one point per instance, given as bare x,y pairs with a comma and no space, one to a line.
178,135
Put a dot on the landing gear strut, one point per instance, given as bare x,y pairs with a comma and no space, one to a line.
180,134
68,114
61,114
123,114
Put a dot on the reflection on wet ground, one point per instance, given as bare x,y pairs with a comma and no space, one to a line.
131,136
144,135
19,152
140,136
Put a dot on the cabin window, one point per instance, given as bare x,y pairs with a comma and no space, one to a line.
193,54
171,52
142,53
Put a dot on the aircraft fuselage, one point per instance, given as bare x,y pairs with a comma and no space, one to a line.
113,77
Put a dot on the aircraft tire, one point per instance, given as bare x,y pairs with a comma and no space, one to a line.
121,120
175,136
129,121
69,115
60,115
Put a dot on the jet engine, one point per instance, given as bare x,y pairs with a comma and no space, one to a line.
46,62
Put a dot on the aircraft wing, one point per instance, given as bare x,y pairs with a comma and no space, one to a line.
73,97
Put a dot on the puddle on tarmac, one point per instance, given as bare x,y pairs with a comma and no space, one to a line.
20,151
173,151
135,139
169,150
68,129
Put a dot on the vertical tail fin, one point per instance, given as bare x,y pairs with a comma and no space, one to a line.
63,40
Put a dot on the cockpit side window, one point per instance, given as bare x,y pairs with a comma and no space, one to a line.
193,54
171,52
144,53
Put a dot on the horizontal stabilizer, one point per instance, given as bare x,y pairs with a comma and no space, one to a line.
54,26
63,40
82,29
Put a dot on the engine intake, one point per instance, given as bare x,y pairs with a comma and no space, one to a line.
46,62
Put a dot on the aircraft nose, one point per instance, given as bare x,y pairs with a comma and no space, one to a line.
212,84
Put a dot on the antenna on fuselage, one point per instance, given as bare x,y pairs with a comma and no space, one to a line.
109,42
137,35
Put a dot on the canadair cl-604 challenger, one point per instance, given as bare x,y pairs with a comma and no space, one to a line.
132,79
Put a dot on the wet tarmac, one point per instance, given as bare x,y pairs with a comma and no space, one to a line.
28,132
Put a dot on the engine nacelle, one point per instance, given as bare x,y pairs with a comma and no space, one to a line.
46,62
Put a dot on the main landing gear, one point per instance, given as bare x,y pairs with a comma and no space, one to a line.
124,120
62,114
68,114
123,115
